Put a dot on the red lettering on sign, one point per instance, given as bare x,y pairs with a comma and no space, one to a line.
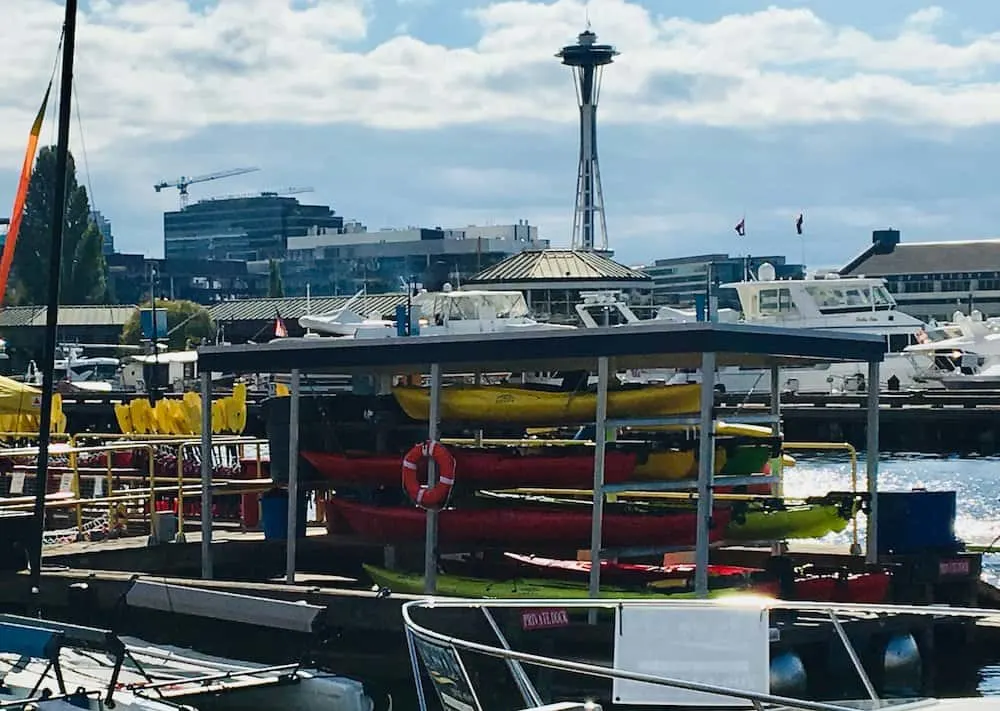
542,619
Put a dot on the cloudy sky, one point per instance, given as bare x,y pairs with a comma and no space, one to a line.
860,114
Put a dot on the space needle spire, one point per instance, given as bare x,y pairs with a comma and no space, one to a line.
587,59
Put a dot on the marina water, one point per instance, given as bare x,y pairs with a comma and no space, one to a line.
976,482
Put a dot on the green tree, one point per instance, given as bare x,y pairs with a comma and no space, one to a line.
188,323
83,275
275,287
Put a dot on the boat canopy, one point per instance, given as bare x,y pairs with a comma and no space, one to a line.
471,305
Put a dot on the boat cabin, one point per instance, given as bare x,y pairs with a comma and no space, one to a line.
859,304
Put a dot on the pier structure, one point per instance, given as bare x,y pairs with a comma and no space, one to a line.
602,350
588,59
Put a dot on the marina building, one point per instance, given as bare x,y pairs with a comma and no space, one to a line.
553,281
243,228
680,281
932,280
348,259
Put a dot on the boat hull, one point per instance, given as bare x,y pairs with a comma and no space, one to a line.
509,404
511,526
481,468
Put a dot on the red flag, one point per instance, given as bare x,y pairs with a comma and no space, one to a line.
798,224
279,328
741,227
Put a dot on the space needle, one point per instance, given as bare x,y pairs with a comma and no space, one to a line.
587,58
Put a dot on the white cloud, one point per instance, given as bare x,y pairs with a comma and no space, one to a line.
160,69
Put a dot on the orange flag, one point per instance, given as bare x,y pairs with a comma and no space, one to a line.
21,196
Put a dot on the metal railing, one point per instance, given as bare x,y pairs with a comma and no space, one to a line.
853,454
151,483
836,613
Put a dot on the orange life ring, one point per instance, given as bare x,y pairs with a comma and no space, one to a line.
434,497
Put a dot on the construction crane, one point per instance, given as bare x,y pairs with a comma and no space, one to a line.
182,183
262,193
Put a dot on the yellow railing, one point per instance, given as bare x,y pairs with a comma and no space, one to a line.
116,442
853,454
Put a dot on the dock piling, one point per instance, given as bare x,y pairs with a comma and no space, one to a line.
706,471
206,474
293,475
871,461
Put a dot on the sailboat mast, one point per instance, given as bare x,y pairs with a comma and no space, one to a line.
52,307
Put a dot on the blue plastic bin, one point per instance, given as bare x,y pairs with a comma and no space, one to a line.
917,522
274,515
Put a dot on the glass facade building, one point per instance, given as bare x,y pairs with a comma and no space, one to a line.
243,229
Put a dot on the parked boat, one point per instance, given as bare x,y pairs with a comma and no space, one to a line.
528,466
537,405
469,587
510,526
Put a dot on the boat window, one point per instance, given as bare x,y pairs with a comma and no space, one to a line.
837,298
471,306
882,296
775,301
897,342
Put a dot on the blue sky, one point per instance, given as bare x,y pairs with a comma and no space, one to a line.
861,115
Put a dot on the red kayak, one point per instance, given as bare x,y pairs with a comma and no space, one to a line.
869,588
481,467
501,526
552,568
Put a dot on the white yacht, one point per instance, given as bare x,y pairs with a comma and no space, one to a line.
446,312
829,302
966,358
85,372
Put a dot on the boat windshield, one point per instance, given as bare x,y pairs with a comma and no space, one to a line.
472,305
836,298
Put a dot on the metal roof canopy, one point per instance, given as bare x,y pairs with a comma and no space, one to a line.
660,345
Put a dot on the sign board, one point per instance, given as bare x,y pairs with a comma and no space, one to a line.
544,618
146,322
66,482
446,670
954,566
722,646
17,483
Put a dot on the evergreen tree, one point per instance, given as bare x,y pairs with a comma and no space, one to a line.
275,287
83,269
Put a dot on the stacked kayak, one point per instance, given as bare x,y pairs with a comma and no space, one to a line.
485,527
471,587
525,466
871,587
527,405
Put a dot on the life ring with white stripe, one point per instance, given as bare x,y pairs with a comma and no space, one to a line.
434,497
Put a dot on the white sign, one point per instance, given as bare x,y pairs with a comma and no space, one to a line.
17,483
66,482
720,646
98,487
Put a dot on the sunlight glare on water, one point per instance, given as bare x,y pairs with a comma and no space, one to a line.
976,482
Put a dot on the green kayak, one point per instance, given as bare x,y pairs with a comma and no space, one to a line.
459,586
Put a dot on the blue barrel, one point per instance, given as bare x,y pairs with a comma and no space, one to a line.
274,515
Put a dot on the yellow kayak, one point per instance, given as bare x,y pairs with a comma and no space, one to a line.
501,403
811,521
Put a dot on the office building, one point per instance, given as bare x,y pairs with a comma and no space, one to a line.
932,280
677,281
242,228
347,260
204,281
